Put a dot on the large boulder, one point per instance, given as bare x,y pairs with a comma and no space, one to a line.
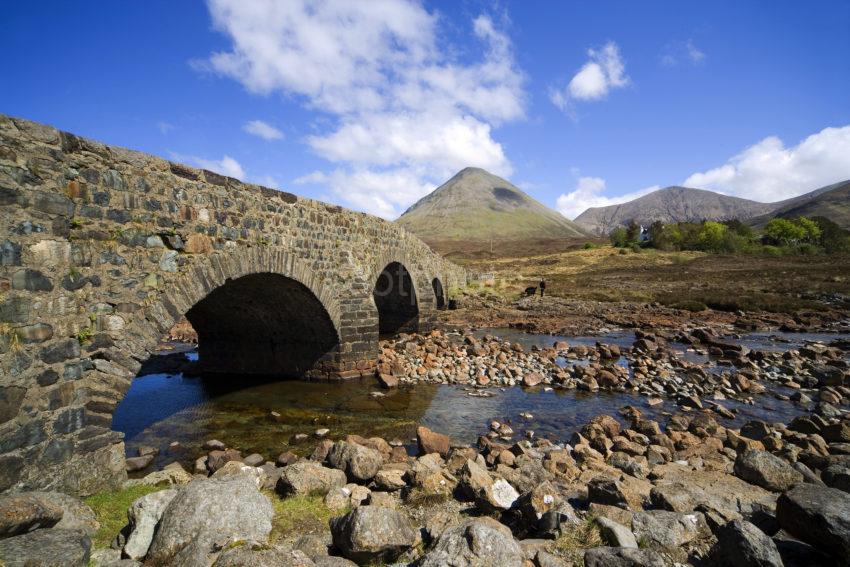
248,556
144,514
209,514
477,542
76,515
741,544
622,557
817,515
766,470
46,548
360,463
668,530
306,477
21,513
837,476
373,533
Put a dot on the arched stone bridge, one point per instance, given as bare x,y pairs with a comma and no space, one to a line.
102,249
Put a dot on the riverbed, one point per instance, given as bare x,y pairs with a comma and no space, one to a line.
176,413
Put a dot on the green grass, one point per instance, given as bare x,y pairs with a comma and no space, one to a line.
111,510
301,514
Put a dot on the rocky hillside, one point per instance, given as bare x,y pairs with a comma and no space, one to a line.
671,204
476,205
832,202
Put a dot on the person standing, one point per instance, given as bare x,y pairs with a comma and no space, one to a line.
542,286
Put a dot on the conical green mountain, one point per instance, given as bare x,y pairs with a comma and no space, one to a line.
476,205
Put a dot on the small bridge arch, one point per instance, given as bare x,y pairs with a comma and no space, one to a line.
103,249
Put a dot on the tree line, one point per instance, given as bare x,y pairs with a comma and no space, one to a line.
781,236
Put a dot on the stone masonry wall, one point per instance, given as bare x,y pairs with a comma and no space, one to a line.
102,249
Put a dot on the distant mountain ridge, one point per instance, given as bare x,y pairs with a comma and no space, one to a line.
831,201
476,205
671,204
684,204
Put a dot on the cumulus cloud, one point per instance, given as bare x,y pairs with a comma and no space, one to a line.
262,130
225,166
404,109
769,171
383,193
604,71
678,52
588,193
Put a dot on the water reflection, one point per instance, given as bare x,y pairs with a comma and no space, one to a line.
167,406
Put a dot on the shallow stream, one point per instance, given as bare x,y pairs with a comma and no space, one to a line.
166,407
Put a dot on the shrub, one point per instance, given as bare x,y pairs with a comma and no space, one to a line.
589,246
619,237
713,236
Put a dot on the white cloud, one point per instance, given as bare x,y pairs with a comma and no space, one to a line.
225,166
403,106
604,72
768,171
588,193
262,130
383,193
681,52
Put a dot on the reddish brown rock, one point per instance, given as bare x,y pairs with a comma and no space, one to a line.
432,442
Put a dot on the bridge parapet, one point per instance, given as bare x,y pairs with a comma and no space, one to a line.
103,249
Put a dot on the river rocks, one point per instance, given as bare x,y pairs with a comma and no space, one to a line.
358,462
532,379
254,460
390,479
668,530
478,542
817,515
837,476
606,491
476,483
21,513
209,514
371,533
144,515
741,544
217,458
305,477
134,464
431,442
614,534
46,548
622,557
534,504
766,470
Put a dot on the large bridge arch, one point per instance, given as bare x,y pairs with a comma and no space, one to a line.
103,249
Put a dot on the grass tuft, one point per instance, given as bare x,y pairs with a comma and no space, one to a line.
575,539
110,507
301,514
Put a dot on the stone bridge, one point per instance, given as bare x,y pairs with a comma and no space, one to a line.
103,249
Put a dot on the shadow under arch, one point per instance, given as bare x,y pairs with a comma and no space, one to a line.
439,293
395,299
265,324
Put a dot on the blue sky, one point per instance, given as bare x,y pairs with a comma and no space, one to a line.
373,104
